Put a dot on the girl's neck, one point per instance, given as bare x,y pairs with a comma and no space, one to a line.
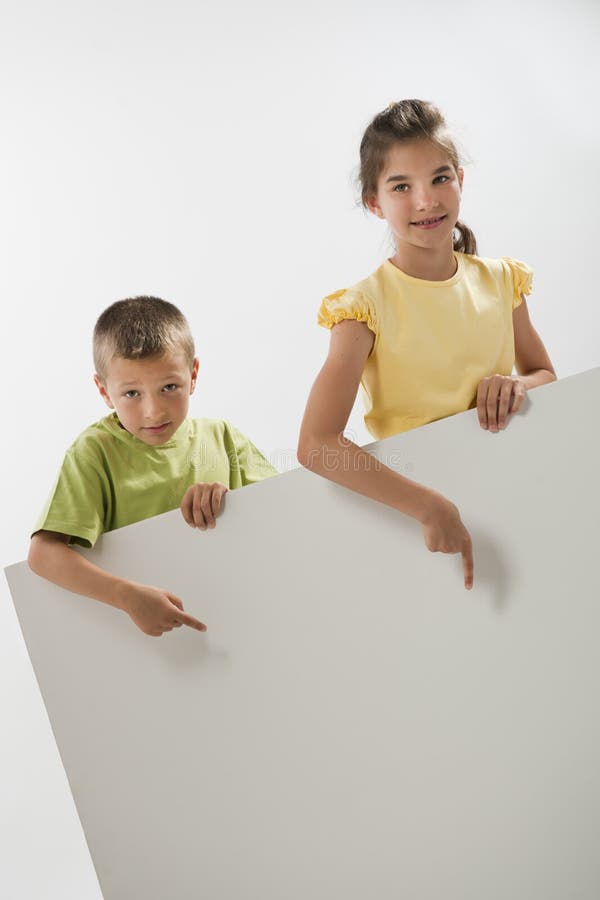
430,264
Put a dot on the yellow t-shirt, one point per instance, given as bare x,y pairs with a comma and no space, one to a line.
109,478
434,340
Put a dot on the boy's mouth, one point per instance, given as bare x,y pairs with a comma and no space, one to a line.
156,429
428,223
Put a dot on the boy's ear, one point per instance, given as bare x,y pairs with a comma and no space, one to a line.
103,392
195,367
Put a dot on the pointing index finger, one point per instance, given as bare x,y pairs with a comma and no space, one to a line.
468,565
186,619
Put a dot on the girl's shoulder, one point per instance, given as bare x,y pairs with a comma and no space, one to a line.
359,302
512,275
501,265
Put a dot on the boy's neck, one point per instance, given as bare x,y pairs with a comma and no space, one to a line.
429,264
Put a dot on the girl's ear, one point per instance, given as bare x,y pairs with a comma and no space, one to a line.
374,207
461,175
195,366
103,392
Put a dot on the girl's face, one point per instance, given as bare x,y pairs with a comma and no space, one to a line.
418,193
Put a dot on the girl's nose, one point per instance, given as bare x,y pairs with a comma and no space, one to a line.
426,200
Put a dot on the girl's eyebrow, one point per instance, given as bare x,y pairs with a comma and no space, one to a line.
407,177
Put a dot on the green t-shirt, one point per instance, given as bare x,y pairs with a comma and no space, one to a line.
110,479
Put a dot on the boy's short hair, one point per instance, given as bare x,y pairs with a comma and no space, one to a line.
137,328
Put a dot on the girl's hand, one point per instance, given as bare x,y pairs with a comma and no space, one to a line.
497,396
201,504
444,532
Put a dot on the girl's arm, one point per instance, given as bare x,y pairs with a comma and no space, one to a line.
323,449
500,395
531,357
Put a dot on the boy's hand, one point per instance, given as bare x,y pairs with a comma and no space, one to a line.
497,396
201,504
153,610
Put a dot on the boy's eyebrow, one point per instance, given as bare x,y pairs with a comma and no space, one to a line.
407,177
164,378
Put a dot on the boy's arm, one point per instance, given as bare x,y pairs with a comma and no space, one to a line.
152,609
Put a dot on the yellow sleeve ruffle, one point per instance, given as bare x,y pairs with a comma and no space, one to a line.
347,304
522,277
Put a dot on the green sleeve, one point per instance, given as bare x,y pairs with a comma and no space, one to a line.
80,502
246,459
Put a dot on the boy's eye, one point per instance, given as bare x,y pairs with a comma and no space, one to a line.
445,177
169,388
131,394
399,188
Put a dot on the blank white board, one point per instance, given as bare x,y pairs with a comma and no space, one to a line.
354,723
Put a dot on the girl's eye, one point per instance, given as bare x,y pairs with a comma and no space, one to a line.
131,394
169,388
399,188
445,177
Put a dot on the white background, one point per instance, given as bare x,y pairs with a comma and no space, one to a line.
205,154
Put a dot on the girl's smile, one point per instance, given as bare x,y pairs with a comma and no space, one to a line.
429,223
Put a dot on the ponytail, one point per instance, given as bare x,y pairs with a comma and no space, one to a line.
465,242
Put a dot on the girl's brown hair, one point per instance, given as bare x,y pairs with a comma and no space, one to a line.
407,120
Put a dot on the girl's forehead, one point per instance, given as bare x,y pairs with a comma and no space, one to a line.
414,157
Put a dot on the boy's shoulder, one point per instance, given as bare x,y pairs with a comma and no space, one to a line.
220,431
203,426
97,436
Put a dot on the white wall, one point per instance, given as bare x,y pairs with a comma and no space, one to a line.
204,154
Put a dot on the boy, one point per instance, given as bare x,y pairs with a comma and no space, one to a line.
144,459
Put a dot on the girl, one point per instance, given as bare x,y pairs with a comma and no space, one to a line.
435,330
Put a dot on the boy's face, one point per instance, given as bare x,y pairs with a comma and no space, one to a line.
150,396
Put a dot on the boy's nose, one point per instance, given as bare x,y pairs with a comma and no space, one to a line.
151,409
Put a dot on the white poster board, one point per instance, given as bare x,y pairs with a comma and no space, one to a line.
354,723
